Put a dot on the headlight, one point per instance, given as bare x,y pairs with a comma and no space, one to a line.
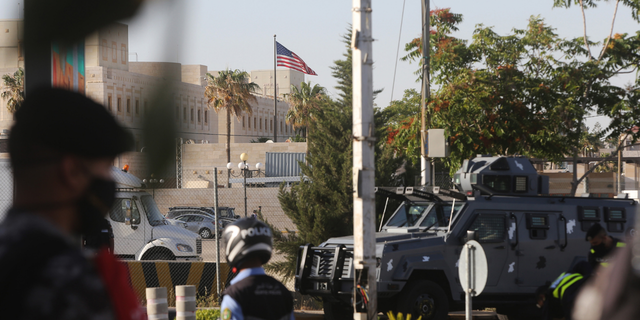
184,248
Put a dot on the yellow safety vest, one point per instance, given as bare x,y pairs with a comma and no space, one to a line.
563,282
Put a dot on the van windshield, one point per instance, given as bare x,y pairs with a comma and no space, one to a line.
408,214
151,209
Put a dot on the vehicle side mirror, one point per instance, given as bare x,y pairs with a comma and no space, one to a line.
471,235
127,221
237,216
127,204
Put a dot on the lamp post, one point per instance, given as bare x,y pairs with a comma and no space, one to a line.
244,157
244,171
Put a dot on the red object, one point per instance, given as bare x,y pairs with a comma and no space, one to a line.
287,58
125,168
115,277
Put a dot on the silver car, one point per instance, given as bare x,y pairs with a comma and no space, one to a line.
200,224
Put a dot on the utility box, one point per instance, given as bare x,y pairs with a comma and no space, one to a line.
438,144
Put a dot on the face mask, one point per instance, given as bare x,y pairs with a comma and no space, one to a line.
599,248
95,204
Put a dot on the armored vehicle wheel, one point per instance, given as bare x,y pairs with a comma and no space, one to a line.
423,298
336,311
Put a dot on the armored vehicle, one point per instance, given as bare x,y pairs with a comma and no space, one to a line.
528,236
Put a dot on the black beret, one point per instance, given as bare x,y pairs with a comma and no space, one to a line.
68,123
593,231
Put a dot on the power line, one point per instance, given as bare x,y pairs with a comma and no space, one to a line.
395,69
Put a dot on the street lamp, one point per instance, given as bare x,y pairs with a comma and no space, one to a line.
244,157
244,169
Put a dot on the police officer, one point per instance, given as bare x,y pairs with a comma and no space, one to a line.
601,245
558,298
62,146
252,294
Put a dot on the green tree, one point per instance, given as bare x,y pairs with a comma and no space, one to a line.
230,91
303,103
13,90
525,93
321,204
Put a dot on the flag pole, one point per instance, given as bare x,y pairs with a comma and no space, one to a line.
275,96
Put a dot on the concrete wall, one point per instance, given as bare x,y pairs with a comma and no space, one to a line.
164,70
11,37
199,157
285,78
108,47
194,74
596,183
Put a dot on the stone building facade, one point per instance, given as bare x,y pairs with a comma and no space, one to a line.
128,89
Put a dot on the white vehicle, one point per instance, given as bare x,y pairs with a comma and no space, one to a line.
141,231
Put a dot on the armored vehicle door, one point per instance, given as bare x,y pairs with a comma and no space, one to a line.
491,233
538,255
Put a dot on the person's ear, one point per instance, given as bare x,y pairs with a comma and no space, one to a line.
72,175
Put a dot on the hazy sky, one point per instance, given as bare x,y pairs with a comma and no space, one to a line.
239,34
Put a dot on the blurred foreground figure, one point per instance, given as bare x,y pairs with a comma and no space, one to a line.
252,294
62,146
614,292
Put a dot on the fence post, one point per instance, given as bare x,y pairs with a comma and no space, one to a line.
215,204
157,307
185,302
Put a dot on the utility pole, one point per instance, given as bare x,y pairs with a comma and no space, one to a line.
425,166
364,218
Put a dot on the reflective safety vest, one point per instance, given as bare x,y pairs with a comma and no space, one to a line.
564,281
619,244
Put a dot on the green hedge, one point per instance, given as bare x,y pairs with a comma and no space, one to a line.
208,314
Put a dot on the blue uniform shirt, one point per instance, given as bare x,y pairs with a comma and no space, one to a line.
230,309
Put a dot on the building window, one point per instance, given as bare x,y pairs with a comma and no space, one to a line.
119,104
199,116
206,116
114,51
280,126
178,113
137,107
249,122
243,121
105,50
254,123
270,125
260,123
191,114
128,106
184,114
109,103
145,107
123,54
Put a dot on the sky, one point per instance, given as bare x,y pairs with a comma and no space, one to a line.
239,34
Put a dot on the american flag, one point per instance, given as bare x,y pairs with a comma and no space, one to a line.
286,58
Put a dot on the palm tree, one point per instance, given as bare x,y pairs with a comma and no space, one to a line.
232,92
302,102
13,89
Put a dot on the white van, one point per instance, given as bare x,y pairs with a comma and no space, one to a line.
141,231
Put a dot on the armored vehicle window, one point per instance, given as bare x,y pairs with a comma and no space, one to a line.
440,214
497,183
119,212
489,227
615,218
407,215
588,216
520,184
538,224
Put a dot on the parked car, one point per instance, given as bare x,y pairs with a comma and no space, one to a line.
175,222
202,224
227,214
